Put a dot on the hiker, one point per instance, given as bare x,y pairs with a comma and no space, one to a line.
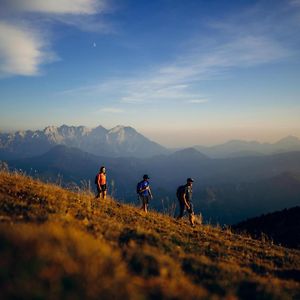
184,196
144,192
100,181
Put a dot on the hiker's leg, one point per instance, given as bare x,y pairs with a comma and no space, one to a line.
98,192
191,214
145,204
140,198
143,207
103,193
181,209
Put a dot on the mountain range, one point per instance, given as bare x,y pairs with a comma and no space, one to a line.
118,141
238,148
124,141
225,190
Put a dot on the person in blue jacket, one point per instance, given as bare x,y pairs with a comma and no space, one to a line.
144,192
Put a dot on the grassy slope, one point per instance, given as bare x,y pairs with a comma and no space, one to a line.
58,244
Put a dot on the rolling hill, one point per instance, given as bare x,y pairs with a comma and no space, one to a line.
60,244
283,227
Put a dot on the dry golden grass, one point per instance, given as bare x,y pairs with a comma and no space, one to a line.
59,244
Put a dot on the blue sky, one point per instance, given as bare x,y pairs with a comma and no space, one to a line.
181,72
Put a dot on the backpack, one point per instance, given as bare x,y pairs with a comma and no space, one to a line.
96,179
180,191
138,187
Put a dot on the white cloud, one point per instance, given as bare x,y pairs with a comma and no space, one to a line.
22,50
56,6
24,40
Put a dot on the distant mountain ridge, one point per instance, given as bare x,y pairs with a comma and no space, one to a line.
188,153
125,141
225,190
239,148
118,141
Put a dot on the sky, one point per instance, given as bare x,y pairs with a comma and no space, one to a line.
180,72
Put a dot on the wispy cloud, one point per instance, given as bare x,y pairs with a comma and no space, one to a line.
24,42
178,81
56,6
110,110
295,2
252,38
198,101
22,50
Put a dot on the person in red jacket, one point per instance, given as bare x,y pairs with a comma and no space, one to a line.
101,183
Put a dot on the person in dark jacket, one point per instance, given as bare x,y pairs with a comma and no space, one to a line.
184,196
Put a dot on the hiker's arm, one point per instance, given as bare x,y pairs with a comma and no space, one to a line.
150,193
185,202
145,189
98,183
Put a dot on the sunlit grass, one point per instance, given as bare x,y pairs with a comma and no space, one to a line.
55,243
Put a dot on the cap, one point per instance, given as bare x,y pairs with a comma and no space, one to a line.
146,176
190,180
